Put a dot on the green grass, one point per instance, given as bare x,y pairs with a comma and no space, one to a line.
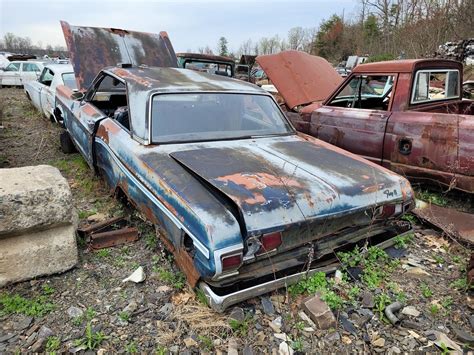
131,348
124,316
426,290
206,342
201,297
434,310
91,339
52,345
47,289
240,328
382,300
37,307
402,241
432,197
151,240
460,284
102,253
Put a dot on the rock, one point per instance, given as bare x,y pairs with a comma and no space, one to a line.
37,346
163,289
22,322
166,310
411,311
367,300
45,332
101,351
276,324
267,305
347,325
190,342
337,277
174,349
308,320
74,312
30,340
442,341
346,340
97,217
4,338
247,350
411,324
237,314
471,321
137,276
285,349
416,273
232,347
333,337
131,307
463,336
380,342
282,336
319,313
394,350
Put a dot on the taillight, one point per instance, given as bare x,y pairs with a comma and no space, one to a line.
387,211
231,262
269,242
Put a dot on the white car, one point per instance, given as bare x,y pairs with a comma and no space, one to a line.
17,73
42,92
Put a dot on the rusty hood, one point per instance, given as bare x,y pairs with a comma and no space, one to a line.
277,182
92,48
299,77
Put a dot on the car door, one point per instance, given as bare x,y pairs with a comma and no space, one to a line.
34,89
29,72
46,98
106,94
11,75
355,117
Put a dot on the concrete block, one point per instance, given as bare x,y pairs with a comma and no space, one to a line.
32,198
319,312
33,254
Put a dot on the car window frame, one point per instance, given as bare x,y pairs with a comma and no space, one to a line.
415,83
31,64
13,64
42,75
153,94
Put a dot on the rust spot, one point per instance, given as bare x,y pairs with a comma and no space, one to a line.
186,264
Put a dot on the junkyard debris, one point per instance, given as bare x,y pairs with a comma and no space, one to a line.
137,276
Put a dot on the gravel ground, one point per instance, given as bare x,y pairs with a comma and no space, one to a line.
90,308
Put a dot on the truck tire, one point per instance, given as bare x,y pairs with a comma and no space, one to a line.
67,146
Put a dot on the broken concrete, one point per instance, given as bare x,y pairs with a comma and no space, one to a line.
319,312
37,224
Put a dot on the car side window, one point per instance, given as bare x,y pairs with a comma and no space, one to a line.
433,85
13,67
110,96
46,77
30,67
366,92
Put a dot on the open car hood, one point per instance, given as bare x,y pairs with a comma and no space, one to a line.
299,77
92,48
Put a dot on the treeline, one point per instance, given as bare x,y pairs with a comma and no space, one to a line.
23,45
382,29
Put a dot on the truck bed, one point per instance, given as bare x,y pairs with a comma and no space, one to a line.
461,107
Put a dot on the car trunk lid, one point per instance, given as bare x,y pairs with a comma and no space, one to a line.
299,77
92,49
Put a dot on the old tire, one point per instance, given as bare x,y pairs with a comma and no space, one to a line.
67,146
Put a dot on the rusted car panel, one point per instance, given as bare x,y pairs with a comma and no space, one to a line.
92,49
229,203
299,77
431,140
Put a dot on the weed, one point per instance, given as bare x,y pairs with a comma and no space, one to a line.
161,350
373,276
131,348
456,259
151,240
124,316
177,279
300,325
47,289
83,214
434,309
91,339
102,253
52,345
297,345
88,315
352,258
315,282
432,197
206,342
447,302
382,300
426,290
401,296
444,349
460,284
240,328
375,253
439,259
200,295
409,217
37,307
334,301
402,241
354,292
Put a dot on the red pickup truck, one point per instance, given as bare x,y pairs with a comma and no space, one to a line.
407,115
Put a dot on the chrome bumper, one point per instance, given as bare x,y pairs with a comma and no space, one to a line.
220,303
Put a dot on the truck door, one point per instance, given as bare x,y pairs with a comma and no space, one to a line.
355,118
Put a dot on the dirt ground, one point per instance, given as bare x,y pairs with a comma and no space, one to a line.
90,309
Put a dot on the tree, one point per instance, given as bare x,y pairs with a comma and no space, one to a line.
329,38
296,38
222,46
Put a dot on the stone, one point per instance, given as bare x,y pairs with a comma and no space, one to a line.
282,336
411,311
74,312
45,332
319,312
237,314
417,273
190,342
285,349
174,349
166,310
471,321
248,350
394,350
333,337
338,277
276,324
411,324
37,346
22,322
368,300
347,325
346,340
131,307
380,342
267,305
137,276
232,347
463,336
4,338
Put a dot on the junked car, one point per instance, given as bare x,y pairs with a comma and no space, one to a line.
17,73
243,201
42,92
407,115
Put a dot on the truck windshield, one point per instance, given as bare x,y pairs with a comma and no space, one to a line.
215,116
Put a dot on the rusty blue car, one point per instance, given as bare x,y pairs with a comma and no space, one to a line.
244,202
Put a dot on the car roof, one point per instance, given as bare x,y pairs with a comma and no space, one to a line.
163,79
60,68
406,65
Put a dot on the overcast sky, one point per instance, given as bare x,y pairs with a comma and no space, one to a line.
190,24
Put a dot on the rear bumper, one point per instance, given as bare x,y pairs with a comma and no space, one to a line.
220,302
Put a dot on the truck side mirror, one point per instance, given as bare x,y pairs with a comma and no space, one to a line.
78,95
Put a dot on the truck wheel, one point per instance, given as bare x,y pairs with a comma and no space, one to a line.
67,146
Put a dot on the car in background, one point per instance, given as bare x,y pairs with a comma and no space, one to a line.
243,201
17,73
42,92
207,63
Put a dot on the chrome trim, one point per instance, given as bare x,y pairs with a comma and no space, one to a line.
157,202
233,249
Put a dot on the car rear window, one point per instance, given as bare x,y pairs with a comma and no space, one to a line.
215,116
